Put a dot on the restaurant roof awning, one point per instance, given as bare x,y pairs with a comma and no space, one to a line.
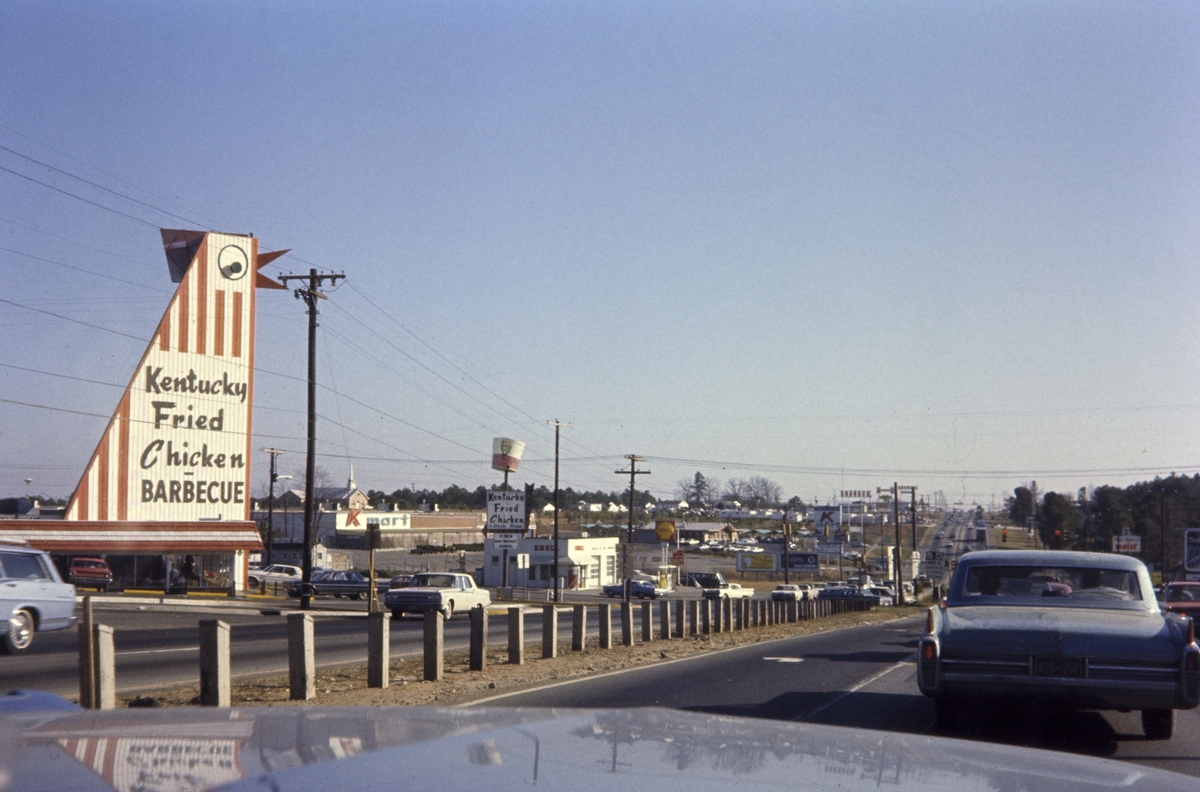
96,536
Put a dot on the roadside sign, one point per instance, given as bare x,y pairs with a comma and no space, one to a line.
505,541
757,562
1127,544
804,562
506,510
522,560
1191,550
664,530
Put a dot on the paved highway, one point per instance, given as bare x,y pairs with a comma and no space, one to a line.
861,677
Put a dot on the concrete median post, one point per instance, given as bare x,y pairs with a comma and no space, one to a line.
626,624
549,632
693,607
605,618
435,657
578,628
516,636
664,620
106,670
679,623
87,658
479,638
379,646
302,665
647,623
214,663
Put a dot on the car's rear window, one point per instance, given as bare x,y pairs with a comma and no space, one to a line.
1051,584
1183,593
22,566
434,581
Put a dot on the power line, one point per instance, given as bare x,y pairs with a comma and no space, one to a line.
94,184
79,197
85,271
75,321
99,170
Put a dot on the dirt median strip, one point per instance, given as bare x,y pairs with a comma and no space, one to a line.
346,685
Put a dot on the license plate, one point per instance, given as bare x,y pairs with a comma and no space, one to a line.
1070,667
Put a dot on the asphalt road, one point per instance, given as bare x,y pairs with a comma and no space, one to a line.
861,677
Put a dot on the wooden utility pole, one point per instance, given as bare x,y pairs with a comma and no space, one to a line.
633,473
310,296
557,424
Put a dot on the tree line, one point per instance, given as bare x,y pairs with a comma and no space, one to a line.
455,497
1153,510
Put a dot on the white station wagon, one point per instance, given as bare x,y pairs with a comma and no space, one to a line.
33,597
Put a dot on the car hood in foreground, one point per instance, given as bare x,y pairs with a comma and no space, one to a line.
310,748
1079,632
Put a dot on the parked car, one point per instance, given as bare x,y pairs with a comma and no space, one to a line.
90,573
728,591
33,598
885,595
704,579
792,592
448,592
637,588
275,573
1182,597
1079,630
338,584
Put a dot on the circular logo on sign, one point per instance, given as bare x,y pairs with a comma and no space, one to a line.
234,262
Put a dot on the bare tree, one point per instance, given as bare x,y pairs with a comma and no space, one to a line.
737,490
763,491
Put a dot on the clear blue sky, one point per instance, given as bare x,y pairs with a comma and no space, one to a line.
835,244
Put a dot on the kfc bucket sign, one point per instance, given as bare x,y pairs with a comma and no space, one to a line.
506,454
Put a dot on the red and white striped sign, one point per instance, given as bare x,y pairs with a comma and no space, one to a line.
177,446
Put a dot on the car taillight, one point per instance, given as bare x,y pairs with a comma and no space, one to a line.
928,665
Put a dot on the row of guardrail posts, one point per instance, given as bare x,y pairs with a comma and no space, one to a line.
97,678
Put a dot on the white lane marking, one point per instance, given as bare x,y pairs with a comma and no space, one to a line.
859,686
784,659
158,651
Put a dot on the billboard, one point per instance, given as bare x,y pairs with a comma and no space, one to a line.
757,562
804,562
178,444
664,530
